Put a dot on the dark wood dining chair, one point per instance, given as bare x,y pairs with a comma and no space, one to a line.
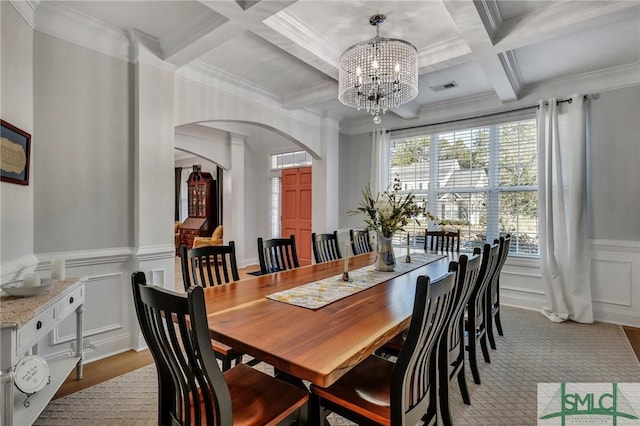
476,308
360,241
442,240
325,247
208,266
378,391
192,390
493,295
277,254
451,350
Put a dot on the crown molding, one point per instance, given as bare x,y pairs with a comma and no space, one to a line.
594,81
146,49
203,73
304,36
442,52
26,9
67,24
490,15
512,70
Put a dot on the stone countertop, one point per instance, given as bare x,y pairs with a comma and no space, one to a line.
17,311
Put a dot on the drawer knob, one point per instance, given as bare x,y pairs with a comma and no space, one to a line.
38,325
71,299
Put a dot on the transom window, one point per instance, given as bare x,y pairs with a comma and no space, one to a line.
481,180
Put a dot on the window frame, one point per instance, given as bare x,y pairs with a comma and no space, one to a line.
493,189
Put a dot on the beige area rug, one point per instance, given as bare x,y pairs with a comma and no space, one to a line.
533,350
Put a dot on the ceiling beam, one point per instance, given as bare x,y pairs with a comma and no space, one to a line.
231,19
501,72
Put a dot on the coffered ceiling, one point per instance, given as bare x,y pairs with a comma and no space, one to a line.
290,49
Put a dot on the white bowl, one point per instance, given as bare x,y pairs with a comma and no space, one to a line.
16,289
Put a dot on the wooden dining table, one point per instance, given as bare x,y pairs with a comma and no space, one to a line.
317,345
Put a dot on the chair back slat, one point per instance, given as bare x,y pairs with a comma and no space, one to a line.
441,240
467,270
325,247
192,389
504,243
209,265
488,266
360,241
413,381
277,254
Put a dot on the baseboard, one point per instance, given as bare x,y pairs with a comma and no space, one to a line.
108,347
622,318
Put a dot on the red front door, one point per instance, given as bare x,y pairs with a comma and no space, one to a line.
296,210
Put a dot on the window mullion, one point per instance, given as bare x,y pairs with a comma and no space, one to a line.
433,175
493,194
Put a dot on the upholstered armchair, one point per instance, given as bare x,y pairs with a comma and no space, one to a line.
214,240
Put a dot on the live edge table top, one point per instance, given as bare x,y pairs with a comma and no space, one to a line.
315,345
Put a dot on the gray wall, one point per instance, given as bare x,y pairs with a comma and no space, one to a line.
16,104
83,171
615,164
355,168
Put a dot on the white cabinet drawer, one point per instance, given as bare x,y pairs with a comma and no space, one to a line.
36,328
70,302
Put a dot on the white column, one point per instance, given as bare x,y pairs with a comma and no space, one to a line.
234,193
326,173
153,184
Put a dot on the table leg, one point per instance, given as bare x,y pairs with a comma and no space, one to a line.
7,380
79,349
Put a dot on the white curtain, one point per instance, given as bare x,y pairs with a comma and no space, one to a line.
379,178
562,205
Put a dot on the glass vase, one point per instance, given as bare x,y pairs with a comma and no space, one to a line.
385,258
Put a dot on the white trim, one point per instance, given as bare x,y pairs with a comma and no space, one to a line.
67,24
616,245
200,73
86,257
159,252
26,9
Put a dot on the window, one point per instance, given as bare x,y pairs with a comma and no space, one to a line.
481,180
290,159
275,207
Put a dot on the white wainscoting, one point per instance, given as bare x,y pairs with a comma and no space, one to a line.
615,282
110,323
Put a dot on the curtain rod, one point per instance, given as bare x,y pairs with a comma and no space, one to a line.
493,114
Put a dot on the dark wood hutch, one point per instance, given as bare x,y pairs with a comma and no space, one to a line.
202,207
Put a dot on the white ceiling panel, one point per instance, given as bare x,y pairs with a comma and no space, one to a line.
159,19
595,49
258,61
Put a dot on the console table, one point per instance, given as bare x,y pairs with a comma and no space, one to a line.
23,323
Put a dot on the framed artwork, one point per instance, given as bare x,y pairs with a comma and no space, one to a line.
15,145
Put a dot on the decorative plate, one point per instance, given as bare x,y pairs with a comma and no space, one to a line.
16,289
31,374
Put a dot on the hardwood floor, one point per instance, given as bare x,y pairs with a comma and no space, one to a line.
100,371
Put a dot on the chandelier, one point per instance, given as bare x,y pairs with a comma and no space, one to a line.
378,74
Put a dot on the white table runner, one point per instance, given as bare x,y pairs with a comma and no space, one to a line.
317,294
